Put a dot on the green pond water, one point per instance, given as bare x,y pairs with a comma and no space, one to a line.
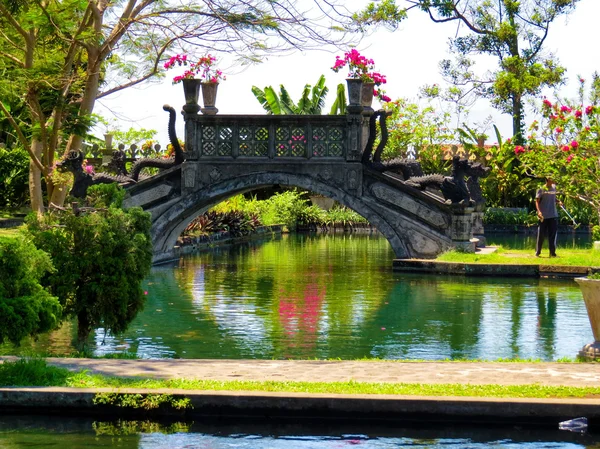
335,296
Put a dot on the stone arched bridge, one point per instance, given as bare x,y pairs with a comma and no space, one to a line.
232,154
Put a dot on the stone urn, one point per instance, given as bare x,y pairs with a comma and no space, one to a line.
191,91
590,288
366,98
354,95
322,202
209,98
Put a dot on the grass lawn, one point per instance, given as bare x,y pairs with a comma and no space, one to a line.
570,257
36,372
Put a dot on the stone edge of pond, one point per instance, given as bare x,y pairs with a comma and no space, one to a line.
238,404
486,269
194,244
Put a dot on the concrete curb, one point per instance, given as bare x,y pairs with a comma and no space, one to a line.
476,269
534,412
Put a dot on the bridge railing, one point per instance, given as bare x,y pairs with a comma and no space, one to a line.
272,137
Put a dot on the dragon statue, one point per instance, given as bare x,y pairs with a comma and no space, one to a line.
161,163
83,180
474,171
453,187
406,167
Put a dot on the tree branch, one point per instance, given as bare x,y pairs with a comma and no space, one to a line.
23,139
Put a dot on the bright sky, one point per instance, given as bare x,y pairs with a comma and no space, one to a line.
409,58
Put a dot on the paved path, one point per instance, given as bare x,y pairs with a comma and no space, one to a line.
567,374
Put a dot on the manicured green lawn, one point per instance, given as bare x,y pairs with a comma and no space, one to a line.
35,372
570,257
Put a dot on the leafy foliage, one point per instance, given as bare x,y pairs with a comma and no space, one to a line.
420,128
311,101
565,144
14,171
26,308
102,256
512,31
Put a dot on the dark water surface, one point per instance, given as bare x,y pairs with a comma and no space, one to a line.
335,296
66,433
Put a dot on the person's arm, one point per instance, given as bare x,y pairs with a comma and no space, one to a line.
537,207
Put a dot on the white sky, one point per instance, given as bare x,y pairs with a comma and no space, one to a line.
409,58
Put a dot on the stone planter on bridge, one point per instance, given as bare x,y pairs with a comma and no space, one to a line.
191,91
209,98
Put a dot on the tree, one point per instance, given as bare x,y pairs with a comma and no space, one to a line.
26,308
311,102
512,31
58,57
101,255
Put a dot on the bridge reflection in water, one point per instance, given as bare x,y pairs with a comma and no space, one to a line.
304,297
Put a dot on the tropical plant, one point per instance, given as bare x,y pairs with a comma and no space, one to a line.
312,100
26,308
339,105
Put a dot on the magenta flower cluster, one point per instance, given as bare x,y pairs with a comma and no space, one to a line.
360,67
203,68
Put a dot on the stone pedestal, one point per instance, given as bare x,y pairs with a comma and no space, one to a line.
477,226
590,288
461,230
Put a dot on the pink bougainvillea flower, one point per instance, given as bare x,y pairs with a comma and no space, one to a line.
89,169
565,109
574,144
547,103
570,158
578,113
589,109
566,148
519,149
559,130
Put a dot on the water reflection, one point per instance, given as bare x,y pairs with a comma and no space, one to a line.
335,297
70,433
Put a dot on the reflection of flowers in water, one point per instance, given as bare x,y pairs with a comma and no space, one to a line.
300,315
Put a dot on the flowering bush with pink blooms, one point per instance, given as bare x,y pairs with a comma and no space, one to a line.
203,68
360,67
565,144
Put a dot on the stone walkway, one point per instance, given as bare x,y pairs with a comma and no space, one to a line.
480,373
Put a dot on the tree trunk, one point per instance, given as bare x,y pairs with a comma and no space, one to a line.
517,117
35,180
59,193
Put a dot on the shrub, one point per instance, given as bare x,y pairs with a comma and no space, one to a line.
101,257
14,172
26,308
596,233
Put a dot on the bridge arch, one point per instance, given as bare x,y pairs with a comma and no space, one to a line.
169,225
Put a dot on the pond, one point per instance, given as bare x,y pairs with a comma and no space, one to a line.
19,432
335,296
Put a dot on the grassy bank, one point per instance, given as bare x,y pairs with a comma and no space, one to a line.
567,257
35,372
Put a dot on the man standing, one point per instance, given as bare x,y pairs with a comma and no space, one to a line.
545,203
